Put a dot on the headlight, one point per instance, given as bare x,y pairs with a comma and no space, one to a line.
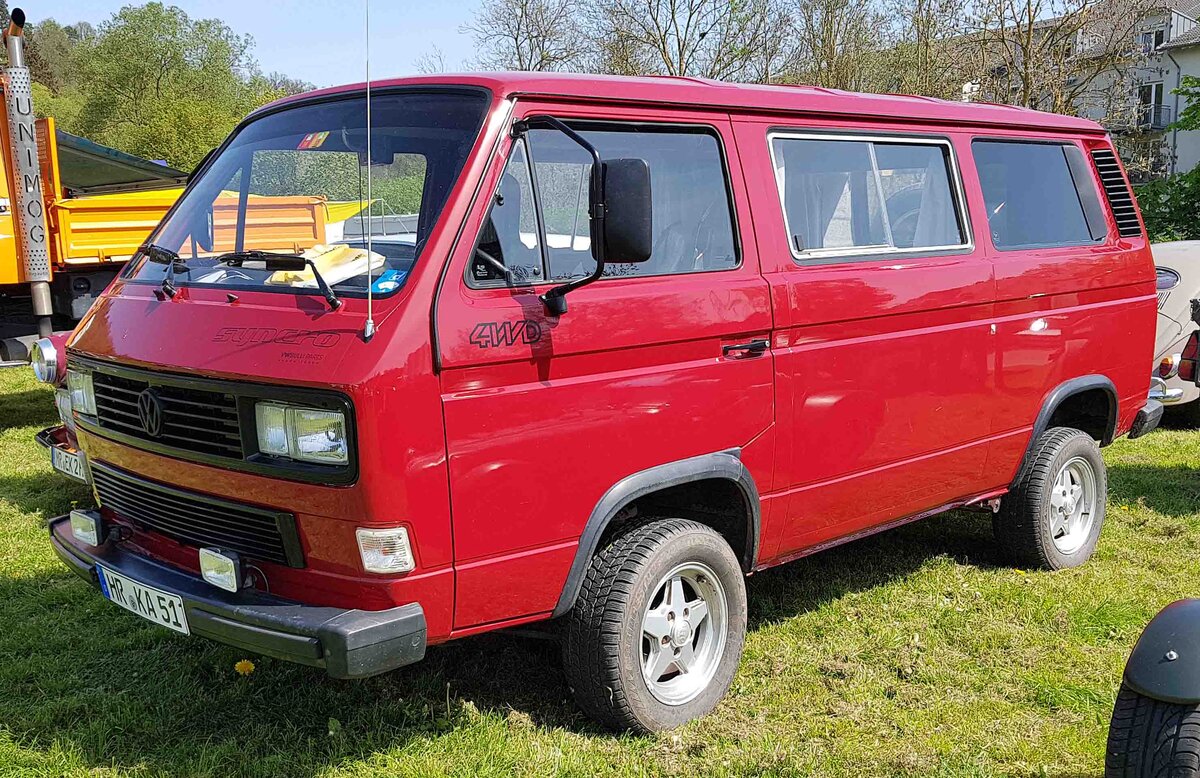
303,434
43,357
83,398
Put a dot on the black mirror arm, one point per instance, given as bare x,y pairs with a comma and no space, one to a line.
555,299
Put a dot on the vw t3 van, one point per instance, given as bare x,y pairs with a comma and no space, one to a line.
593,350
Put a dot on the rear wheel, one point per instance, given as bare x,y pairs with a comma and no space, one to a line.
1052,516
656,634
1152,738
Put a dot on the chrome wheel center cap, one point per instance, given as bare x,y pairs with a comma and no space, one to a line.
681,634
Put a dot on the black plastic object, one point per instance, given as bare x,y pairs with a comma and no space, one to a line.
628,221
1165,663
347,643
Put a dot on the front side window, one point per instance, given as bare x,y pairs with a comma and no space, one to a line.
866,196
550,241
294,182
1037,194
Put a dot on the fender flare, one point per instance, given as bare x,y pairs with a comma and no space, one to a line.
1165,663
1058,396
720,465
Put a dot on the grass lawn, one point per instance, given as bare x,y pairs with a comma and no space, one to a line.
916,652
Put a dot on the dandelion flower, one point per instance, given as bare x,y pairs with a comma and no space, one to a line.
244,667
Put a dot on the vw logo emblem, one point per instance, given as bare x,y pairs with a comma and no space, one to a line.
150,413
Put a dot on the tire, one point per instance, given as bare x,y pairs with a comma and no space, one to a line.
1149,738
1029,526
606,644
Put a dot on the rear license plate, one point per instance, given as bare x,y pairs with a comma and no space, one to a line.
151,604
68,463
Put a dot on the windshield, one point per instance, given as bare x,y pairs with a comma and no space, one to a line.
294,183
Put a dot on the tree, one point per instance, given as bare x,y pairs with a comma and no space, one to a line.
527,35
1189,117
923,58
431,62
723,39
50,53
1169,207
1064,56
841,44
164,86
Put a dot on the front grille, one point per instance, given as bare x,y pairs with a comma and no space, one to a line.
198,520
192,419
1117,192
1162,299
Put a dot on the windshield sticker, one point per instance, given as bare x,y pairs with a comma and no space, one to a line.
313,140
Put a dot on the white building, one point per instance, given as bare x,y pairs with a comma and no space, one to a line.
1175,54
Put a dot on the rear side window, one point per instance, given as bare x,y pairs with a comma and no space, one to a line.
1038,194
549,239
867,196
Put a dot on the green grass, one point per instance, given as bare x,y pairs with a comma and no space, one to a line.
913,653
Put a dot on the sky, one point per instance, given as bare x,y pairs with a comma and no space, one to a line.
318,42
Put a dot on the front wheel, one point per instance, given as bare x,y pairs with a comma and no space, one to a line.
656,634
1148,738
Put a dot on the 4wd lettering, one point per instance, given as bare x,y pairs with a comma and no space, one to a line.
506,333
243,335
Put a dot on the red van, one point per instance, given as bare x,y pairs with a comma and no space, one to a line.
594,349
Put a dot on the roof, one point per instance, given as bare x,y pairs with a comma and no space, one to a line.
696,92
1189,38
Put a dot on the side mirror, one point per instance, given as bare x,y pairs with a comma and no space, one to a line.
628,220
619,207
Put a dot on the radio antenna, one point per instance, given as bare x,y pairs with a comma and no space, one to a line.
369,325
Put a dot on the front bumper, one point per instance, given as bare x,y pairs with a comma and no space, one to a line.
346,643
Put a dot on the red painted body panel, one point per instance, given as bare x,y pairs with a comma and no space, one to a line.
893,387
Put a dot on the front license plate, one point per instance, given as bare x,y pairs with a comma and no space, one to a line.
68,463
146,601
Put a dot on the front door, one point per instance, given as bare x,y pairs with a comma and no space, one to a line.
544,414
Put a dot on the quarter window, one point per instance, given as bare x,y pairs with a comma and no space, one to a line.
508,246
866,196
1037,194
692,217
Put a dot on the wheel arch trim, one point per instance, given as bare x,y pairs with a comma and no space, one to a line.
1059,395
726,465
1152,672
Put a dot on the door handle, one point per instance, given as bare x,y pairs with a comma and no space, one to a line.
753,348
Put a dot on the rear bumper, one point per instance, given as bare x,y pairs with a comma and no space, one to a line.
346,643
1147,419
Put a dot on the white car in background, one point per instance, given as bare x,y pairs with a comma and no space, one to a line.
1178,266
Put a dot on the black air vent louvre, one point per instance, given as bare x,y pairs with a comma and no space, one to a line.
198,520
1117,192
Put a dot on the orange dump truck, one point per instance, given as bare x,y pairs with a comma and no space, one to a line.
100,204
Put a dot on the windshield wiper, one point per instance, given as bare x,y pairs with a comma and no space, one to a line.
275,261
162,255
